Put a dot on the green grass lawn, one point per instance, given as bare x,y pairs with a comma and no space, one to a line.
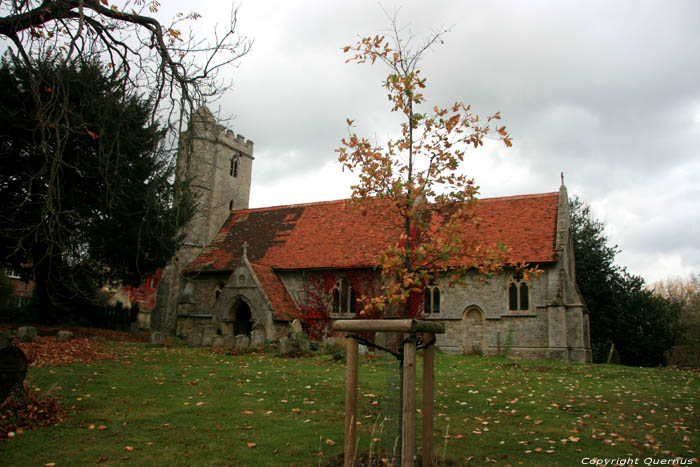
184,406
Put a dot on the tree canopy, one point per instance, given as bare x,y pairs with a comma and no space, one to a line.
417,179
87,190
685,292
86,202
623,312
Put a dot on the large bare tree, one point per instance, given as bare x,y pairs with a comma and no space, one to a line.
166,61
166,65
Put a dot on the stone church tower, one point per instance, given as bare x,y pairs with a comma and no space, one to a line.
218,165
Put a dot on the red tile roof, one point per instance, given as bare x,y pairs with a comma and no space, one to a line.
283,308
334,234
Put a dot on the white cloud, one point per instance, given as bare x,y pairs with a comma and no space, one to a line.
605,91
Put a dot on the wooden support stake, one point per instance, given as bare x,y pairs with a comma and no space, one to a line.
408,428
428,401
351,403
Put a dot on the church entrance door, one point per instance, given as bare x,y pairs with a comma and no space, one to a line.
242,318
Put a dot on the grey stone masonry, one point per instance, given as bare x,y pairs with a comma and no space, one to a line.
218,165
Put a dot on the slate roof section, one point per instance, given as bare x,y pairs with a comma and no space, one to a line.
334,234
283,308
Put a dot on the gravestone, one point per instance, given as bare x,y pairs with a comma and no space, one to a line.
242,342
296,327
157,338
229,342
218,341
257,338
13,366
26,334
63,336
194,338
208,335
285,346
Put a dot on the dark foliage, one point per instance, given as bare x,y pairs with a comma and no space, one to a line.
642,325
87,194
5,291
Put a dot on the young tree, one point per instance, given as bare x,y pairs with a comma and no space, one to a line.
87,191
416,180
622,311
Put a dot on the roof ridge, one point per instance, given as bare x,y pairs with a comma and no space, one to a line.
511,197
317,203
280,206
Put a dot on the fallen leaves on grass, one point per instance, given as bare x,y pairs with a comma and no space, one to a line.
46,351
29,409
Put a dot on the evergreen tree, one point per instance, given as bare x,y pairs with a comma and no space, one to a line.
622,311
88,195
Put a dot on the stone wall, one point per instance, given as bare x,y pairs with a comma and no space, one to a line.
477,317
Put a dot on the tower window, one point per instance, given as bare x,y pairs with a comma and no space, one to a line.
518,293
234,167
431,299
344,298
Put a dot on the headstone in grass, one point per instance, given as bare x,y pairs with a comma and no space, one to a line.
26,334
13,369
217,341
208,334
296,327
229,342
242,342
157,338
257,338
63,336
194,338
284,346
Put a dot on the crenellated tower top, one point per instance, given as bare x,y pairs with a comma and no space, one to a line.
218,163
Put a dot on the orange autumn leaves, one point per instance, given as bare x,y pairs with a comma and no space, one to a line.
420,177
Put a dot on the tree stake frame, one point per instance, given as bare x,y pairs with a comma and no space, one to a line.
411,327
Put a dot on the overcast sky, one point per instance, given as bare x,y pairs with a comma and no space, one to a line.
607,92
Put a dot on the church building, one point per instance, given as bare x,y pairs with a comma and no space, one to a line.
261,268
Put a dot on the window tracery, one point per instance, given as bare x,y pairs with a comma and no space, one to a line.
431,299
343,297
518,293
